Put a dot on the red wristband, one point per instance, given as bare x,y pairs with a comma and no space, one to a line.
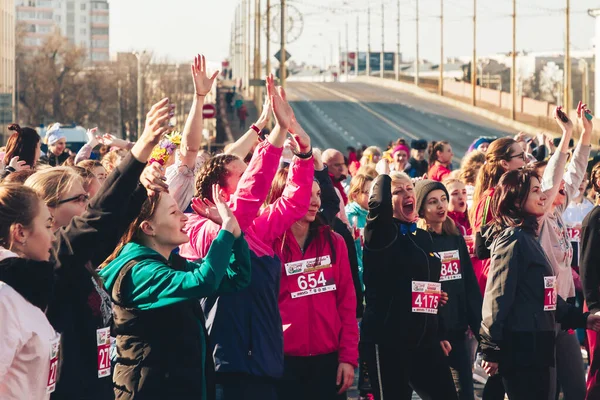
255,129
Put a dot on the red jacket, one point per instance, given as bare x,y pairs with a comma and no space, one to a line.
318,309
438,172
482,267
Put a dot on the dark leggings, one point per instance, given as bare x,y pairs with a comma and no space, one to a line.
309,378
461,368
395,374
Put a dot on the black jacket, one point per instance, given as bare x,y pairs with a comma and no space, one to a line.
463,309
53,160
516,331
392,260
76,309
590,259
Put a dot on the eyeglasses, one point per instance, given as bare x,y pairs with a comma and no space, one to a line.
80,198
522,156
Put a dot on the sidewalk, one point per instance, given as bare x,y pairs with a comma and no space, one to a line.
233,120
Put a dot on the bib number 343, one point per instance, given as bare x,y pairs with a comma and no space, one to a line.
426,297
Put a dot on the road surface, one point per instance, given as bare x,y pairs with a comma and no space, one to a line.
339,115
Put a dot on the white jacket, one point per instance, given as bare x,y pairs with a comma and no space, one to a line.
25,346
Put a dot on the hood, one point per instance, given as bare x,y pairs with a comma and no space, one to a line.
354,208
34,280
129,252
5,253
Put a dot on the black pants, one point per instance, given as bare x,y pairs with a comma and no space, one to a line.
394,374
309,378
527,383
461,368
494,388
245,387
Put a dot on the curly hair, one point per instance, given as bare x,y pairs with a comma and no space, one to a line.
471,164
212,172
594,178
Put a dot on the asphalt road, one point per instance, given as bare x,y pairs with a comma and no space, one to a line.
352,114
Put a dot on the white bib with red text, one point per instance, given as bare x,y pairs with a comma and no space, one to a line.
103,343
311,276
53,373
426,297
450,265
550,293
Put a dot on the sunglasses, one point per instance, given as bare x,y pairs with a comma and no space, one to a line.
80,198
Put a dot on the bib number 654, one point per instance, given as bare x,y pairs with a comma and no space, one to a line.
311,281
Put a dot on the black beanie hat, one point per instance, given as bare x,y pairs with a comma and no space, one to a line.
419,144
423,188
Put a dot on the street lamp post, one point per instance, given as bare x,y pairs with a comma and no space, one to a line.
140,97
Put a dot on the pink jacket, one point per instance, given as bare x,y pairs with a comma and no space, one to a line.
262,229
318,306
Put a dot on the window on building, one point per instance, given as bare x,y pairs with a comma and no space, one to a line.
83,31
83,20
99,31
83,6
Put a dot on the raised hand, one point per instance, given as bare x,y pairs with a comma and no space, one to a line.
300,136
565,126
230,222
153,180
208,209
157,121
18,165
202,82
587,124
281,108
112,140
318,160
265,116
92,138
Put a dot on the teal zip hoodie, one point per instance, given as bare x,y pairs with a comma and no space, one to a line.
155,284
354,210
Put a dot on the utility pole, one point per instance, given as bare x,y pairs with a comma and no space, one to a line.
397,57
474,62
368,67
357,47
248,68
347,66
268,39
567,95
381,56
441,82
513,75
417,43
244,65
140,96
282,71
257,74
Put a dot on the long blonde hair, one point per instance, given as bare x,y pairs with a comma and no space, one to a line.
52,183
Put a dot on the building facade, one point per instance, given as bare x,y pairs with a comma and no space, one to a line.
84,22
7,66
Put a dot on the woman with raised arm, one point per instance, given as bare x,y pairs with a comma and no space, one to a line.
22,150
245,327
463,311
521,305
401,335
560,186
79,309
316,293
155,301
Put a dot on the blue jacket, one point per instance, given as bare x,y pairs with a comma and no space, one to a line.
245,327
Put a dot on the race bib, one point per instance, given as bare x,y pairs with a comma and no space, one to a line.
311,276
574,234
470,242
450,265
426,297
550,294
53,373
103,343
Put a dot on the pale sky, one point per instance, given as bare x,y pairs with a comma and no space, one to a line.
178,29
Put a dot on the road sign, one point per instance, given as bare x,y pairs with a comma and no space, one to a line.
209,111
278,56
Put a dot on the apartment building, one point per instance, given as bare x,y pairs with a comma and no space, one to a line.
84,22
7,65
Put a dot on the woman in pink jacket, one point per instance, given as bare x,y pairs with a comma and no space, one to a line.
245,327
317,303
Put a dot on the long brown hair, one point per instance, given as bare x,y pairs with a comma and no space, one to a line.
18,205
491,172
471,165
434,147
133,232
23,143
508,203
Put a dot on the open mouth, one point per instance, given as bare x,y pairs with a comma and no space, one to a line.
441,214
461,204
408,207
562,192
